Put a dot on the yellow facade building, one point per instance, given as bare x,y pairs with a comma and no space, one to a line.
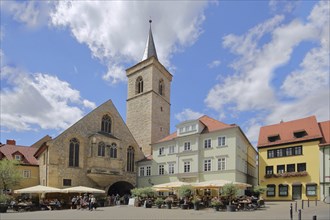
289,163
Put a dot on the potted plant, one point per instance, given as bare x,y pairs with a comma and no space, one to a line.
159,202
196,201
216,203
168,202
230,190
185,191
3,203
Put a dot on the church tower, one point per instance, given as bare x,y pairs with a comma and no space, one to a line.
148,98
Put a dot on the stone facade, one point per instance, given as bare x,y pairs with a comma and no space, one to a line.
94,169
148,112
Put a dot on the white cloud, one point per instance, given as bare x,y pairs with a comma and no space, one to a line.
33,101
283,6
304,92
188,114
214,64
116,31
32,13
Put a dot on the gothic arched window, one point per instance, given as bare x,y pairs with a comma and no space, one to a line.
113,151
106,124
161,87
130,159
101,149
139,85
74,153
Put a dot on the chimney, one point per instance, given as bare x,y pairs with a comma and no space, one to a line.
11,142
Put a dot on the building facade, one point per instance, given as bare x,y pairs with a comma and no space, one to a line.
28,165
148,99
200,150
97,151
325,161
289,159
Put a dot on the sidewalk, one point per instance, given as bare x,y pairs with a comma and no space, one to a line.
273,210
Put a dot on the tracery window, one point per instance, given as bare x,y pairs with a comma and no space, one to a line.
74,153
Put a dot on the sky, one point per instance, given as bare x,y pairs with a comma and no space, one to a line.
252,63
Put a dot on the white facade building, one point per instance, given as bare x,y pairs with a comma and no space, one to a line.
200,150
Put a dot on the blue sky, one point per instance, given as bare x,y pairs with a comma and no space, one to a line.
252,63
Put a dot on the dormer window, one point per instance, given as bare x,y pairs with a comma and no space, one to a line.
274,138
18,157
299,134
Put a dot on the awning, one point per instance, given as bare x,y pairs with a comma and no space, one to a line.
296,184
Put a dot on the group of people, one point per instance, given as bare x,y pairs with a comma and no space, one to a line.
84,202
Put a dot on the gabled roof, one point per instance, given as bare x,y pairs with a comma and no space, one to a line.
9,151
325,129
286,130
211,125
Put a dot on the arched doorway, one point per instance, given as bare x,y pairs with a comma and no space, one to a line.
122,188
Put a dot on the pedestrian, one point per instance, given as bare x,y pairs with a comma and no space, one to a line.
73,202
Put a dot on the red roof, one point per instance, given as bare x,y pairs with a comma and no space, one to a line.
325,129
8,151
286,130
211,125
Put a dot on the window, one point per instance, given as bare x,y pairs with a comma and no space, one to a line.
283,190
161,170
113,150
74,153
207,165
18,157
130,159
161,87
301,167
187,146
221,141
289,151
222,163
67,182
269,170
171,168
186,167
101,150
171,150
141,173
274,138
270,154
311,189
106,124
181,130
193,127
26,173
148,173
290,168
280,168
279,153
161,151
299,134
207,143
139,85
271,190
298,150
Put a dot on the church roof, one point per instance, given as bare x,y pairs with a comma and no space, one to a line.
150,49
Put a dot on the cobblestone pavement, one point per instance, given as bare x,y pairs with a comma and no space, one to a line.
273,210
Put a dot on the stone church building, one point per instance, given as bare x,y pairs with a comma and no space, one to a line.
101,150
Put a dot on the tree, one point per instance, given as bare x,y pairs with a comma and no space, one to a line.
230,190
9,174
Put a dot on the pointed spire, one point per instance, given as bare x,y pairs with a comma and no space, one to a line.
150,49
